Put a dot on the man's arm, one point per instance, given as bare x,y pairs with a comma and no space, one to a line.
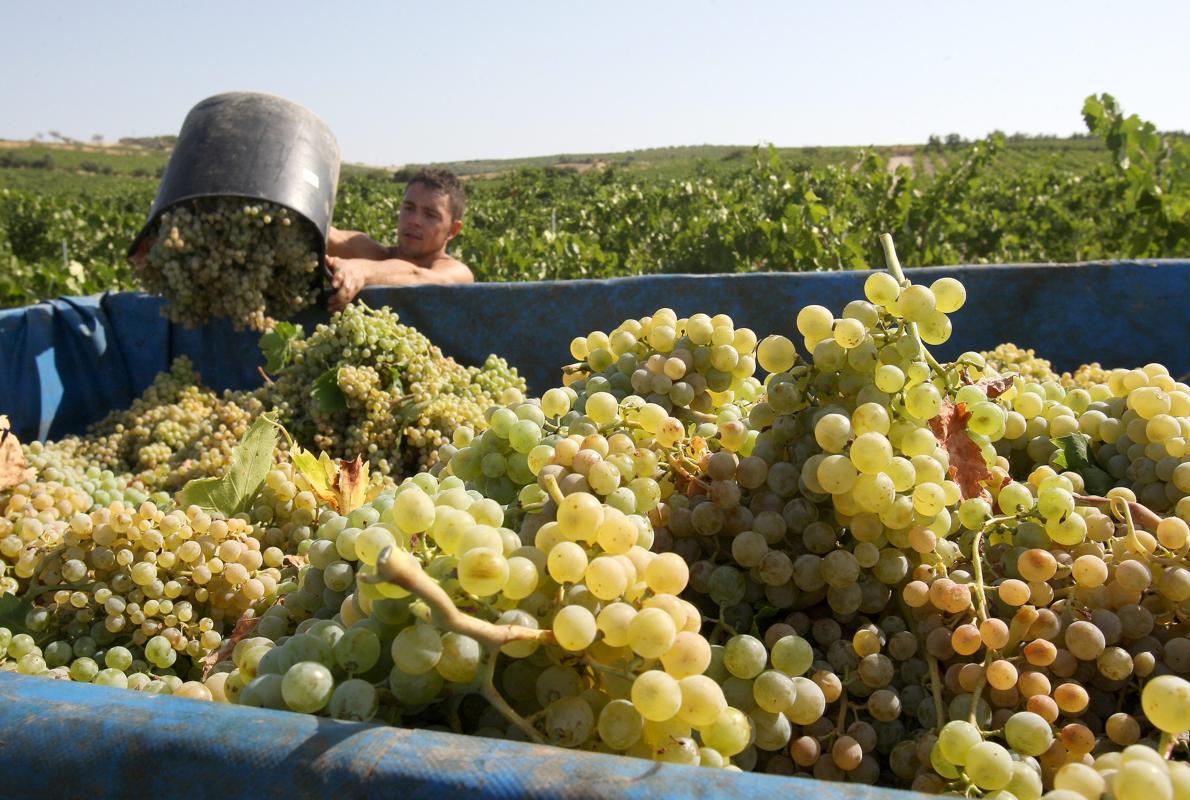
354,244
352,275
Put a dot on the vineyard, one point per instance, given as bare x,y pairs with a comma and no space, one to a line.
1123,194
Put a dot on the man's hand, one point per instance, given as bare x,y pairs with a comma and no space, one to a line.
348,276
140,257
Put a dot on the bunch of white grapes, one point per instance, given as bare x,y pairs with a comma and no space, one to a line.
252,262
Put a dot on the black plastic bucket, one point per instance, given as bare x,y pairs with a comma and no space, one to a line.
252,145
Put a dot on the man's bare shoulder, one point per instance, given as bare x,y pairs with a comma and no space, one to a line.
457,269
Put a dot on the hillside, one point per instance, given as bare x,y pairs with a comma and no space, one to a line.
60,166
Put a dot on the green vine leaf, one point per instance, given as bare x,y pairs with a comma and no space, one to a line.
277,345
326,394
1074,454
250,465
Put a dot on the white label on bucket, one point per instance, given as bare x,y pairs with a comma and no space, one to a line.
310,177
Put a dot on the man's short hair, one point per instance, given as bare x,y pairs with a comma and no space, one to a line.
443,180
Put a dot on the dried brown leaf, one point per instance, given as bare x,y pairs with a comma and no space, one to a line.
352,484
13,467
997,386
967,467
244,627
993,387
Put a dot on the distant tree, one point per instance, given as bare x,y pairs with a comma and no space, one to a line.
934,144
97,138
954,140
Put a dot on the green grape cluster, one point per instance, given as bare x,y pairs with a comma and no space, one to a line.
366,384
176,431
158,583
624,415
1086,375
1135,427
836,517
608,657
252,262
1008,358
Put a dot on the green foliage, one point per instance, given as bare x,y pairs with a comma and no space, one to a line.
277,345
1121,192
1155,191
1074,454
326,394
250,465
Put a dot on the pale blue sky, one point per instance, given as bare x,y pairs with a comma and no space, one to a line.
439,81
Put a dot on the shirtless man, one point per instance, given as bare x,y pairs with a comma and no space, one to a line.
431,215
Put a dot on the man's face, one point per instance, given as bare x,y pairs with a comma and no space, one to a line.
424,224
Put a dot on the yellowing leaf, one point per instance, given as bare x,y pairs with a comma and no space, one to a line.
342,485
329,468
312,470
352,484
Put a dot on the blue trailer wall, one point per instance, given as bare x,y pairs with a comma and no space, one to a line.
65,739
65,363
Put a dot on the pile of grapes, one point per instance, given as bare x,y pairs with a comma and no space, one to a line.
361,384
365,384
176,431
869,566
247,260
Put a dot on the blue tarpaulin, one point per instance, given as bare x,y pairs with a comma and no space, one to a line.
64,739
67,362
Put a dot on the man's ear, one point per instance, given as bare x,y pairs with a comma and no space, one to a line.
455,227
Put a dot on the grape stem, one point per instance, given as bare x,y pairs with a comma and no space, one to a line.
1121,507
406,573
842,715
977,565
1018,628
619,673
1165,746
720,626
493,696
983,679
554,490
689,415
1136,511
894,267
936,689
